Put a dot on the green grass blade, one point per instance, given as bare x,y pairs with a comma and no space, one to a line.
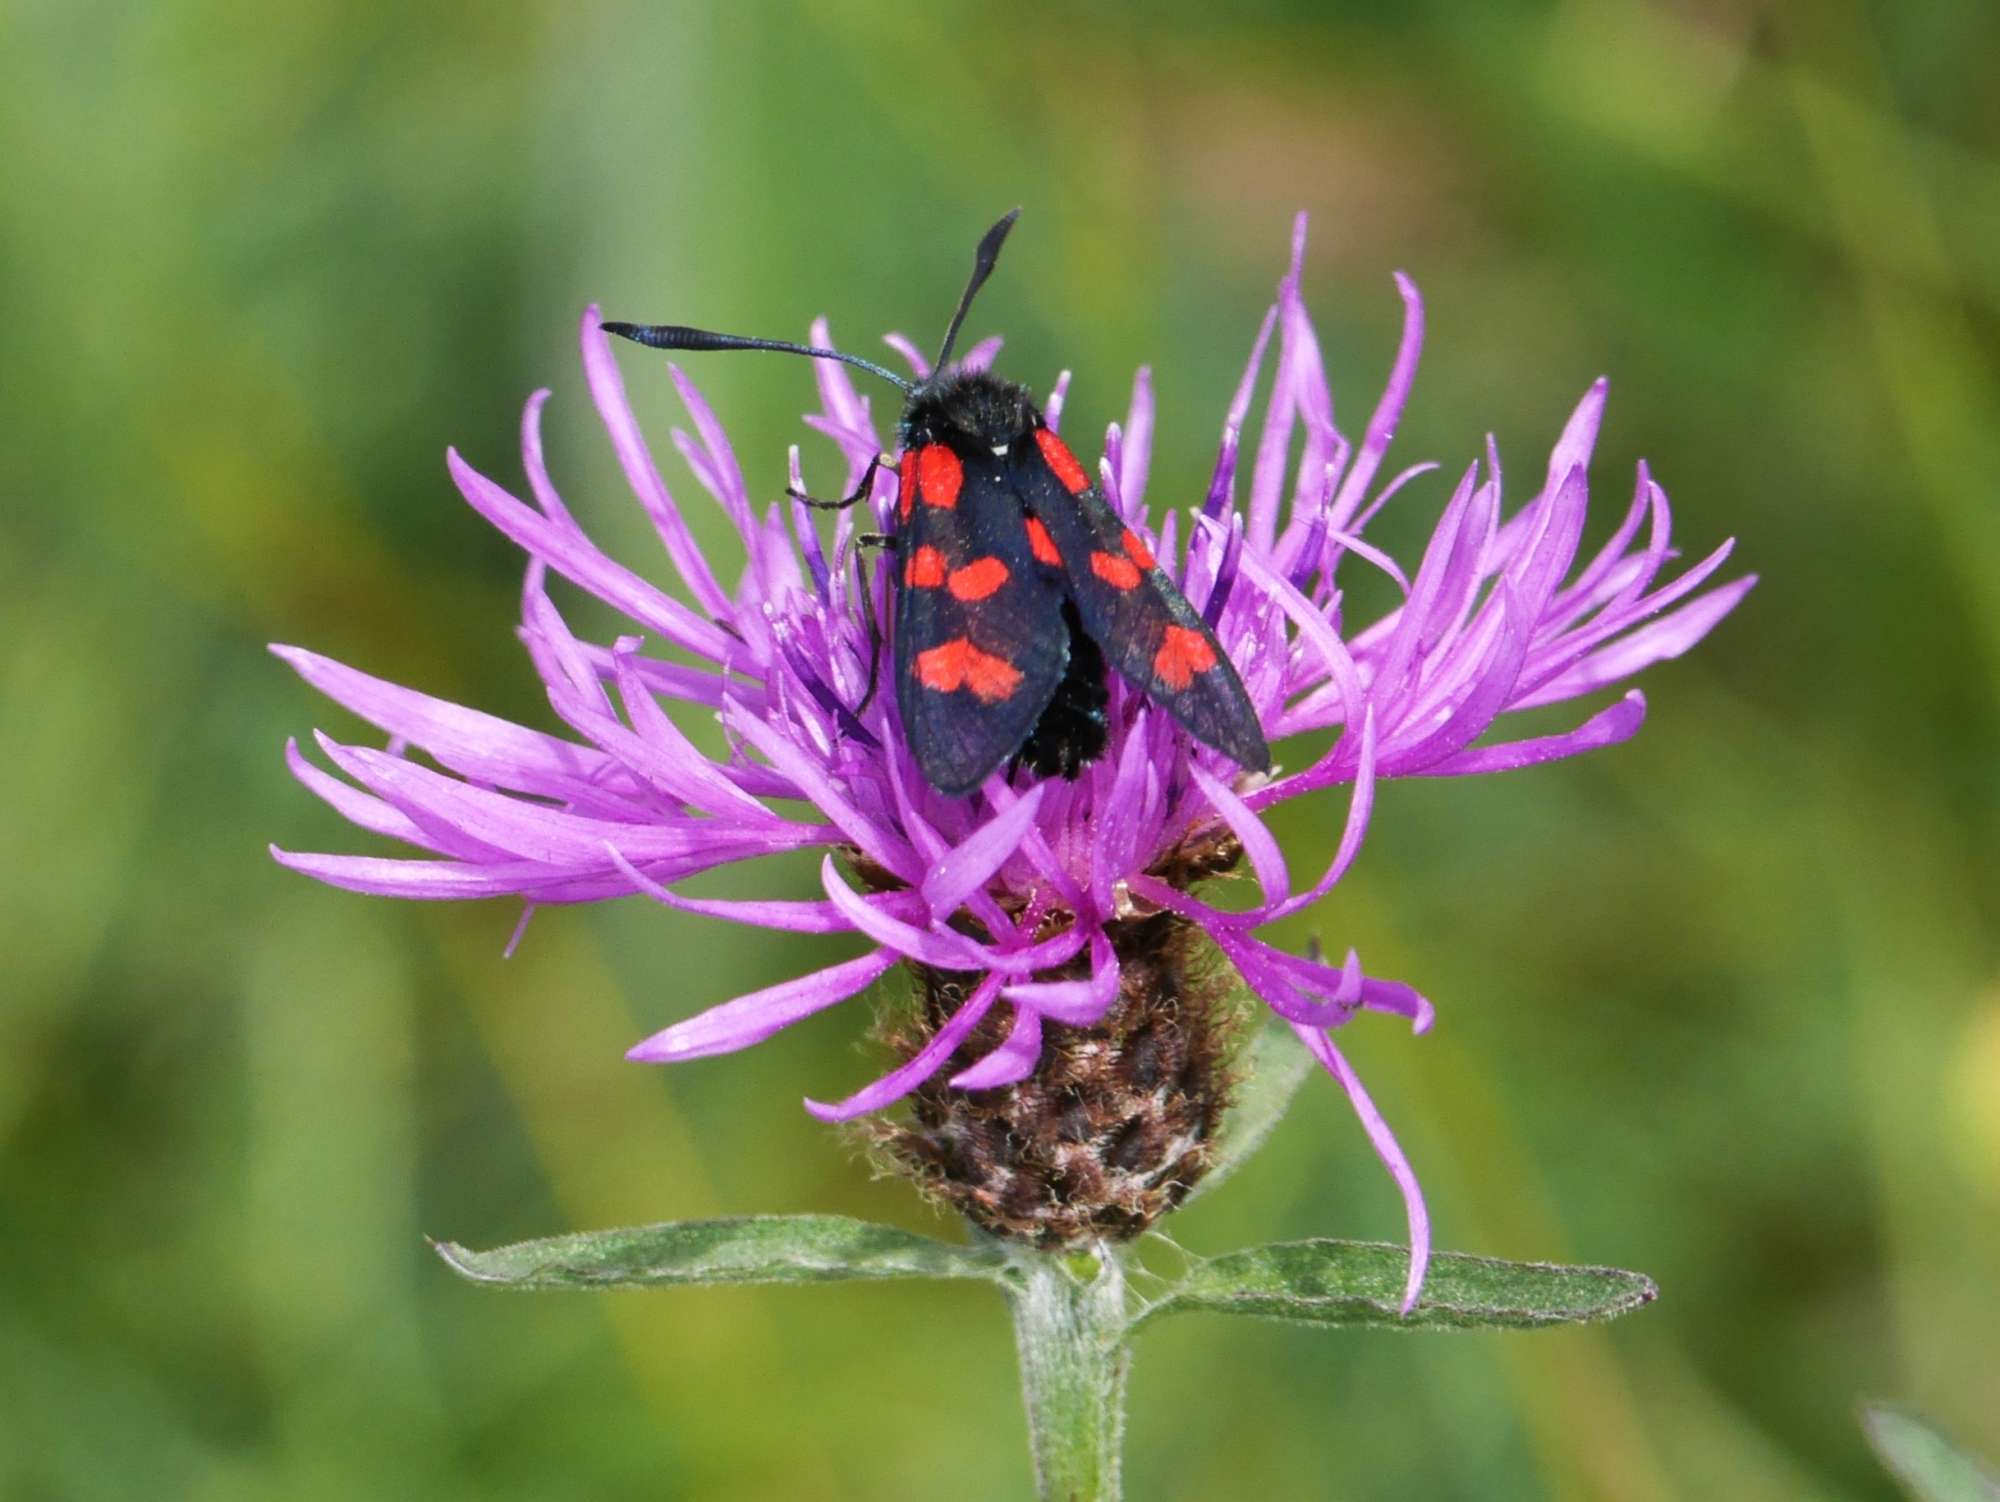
1931,1467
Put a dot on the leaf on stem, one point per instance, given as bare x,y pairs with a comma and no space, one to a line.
749,1249
1325,1282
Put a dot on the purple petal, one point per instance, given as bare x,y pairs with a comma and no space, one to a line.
358,808
898,1083
1605,728
1053,407
1612,553
919,362
805,531
1348,542
1388,492
430,881
785,916
569,554
470,742
843,405
737,1024
725,474
1267,474
536,832
1267,859
815,785
607,390
1446,573
1360,806
1398,999
682,765
967,865
1222,484
1546,557
1013,1061
1665,638
1080,1003
945,951
1137,451
1386,1148
1304,993
982,354
1579,434
1381,430
1457,726
539,484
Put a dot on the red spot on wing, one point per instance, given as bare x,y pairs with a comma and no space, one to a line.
1062,461
926,568
1183,653
1042,545
1118,572
958,664
906,484
977,579
939,476
1136,549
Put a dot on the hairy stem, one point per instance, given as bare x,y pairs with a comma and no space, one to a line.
1069,1319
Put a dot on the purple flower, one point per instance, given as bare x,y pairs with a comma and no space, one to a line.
1018,891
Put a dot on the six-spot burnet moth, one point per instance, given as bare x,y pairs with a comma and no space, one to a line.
1017,582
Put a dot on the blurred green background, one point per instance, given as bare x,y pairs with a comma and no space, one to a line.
1722,1004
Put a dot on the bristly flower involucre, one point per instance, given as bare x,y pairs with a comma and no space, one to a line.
1049,923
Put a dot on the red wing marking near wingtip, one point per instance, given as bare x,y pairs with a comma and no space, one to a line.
1136,549
977,579
939,475
1183,653
1062,461
958,664
1042,545
1119,573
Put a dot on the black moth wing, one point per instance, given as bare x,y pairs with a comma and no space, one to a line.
1147,629
959,644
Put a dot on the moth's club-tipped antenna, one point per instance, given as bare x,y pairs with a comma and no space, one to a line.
982,267
679,336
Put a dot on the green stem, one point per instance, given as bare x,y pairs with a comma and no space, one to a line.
1069,1322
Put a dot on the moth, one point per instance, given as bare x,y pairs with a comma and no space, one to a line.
1017,585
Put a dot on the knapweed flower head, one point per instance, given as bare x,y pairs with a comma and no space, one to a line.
1069,1057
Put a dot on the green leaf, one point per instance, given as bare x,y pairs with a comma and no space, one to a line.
1326,1282
1931,1467
750,1249
1274,1066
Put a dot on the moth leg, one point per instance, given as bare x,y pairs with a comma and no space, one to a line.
888,543
861,489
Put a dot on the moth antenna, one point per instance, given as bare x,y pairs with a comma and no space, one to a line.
678,336
982,268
